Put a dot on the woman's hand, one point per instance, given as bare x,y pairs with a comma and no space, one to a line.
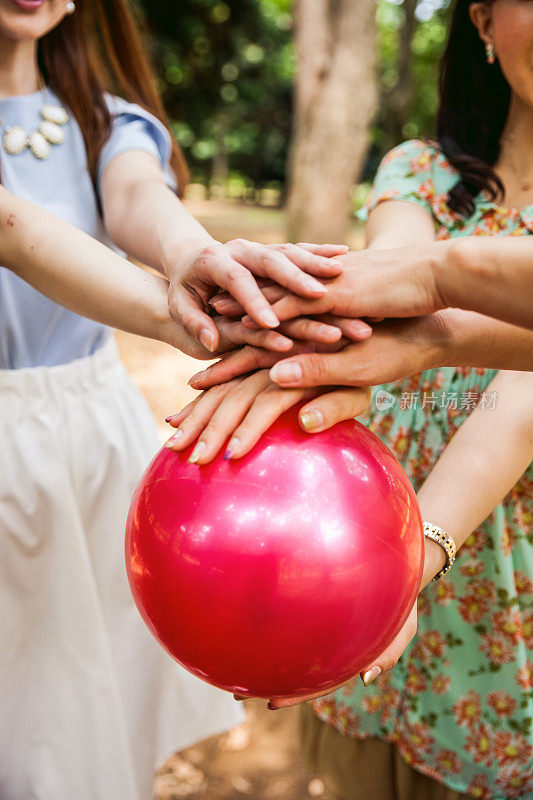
399,282
244,408
195,273
396,349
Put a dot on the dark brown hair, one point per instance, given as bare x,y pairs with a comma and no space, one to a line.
474,104
102,47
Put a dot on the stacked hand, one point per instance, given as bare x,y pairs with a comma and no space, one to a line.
334,360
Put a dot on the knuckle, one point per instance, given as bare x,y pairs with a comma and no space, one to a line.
236,273
211,251
239,242
314,366
174,309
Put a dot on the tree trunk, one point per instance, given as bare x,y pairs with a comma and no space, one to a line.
396,101
335,98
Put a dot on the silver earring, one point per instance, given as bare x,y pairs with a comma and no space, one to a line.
71,7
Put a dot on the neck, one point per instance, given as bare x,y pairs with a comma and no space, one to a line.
519,127
19,72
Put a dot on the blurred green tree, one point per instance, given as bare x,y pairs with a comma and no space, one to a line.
226,71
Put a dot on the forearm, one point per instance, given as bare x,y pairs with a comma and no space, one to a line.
490,275
80,273
468,339
480,465
145,218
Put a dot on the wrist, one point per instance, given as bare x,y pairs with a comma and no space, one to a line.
178,254
434,561
458,267
435,339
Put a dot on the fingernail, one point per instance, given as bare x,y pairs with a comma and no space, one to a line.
312,419
286,373
269,318
167,419
197,452
239,697
273,708
370,675
230,450
313,285
207,339
331,333
174,438
198,375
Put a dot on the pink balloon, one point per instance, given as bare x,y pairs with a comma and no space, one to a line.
285,572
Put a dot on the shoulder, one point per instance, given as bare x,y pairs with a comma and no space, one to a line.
417,155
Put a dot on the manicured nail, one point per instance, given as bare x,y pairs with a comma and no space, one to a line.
239,697
273,708
167,419
207,339
174,438
197,452
312,419
230,450
268,318
370,675
286,373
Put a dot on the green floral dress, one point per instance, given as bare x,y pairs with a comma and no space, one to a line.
459,704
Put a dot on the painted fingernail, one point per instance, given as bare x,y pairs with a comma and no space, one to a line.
230,450
370,675
174,438
207,339
273,708
197,452
239,697
268,318
167,419
286,373
312,419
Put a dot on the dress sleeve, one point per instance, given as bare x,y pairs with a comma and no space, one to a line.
134,128
405,173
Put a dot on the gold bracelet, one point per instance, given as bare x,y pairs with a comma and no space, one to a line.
439,536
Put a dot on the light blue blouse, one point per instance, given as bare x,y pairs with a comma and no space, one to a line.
35,331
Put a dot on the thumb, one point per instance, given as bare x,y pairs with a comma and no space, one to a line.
188,311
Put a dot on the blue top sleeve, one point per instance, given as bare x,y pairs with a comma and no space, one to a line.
134,128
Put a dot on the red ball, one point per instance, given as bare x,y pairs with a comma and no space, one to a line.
285,572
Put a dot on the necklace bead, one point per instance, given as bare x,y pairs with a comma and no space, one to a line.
38,145
16,140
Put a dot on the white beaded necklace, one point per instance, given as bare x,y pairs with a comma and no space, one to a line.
16,140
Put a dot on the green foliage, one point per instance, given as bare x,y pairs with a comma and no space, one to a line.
226,71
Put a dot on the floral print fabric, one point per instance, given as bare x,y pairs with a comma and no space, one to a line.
459,704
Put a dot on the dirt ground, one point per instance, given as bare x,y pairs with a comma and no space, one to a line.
259,759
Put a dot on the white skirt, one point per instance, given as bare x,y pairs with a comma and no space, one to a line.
89,703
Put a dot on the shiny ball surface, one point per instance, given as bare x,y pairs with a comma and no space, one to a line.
284,572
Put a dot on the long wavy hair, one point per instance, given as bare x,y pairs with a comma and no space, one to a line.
474,104
102,48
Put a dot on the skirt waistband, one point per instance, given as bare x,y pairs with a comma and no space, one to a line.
91,369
